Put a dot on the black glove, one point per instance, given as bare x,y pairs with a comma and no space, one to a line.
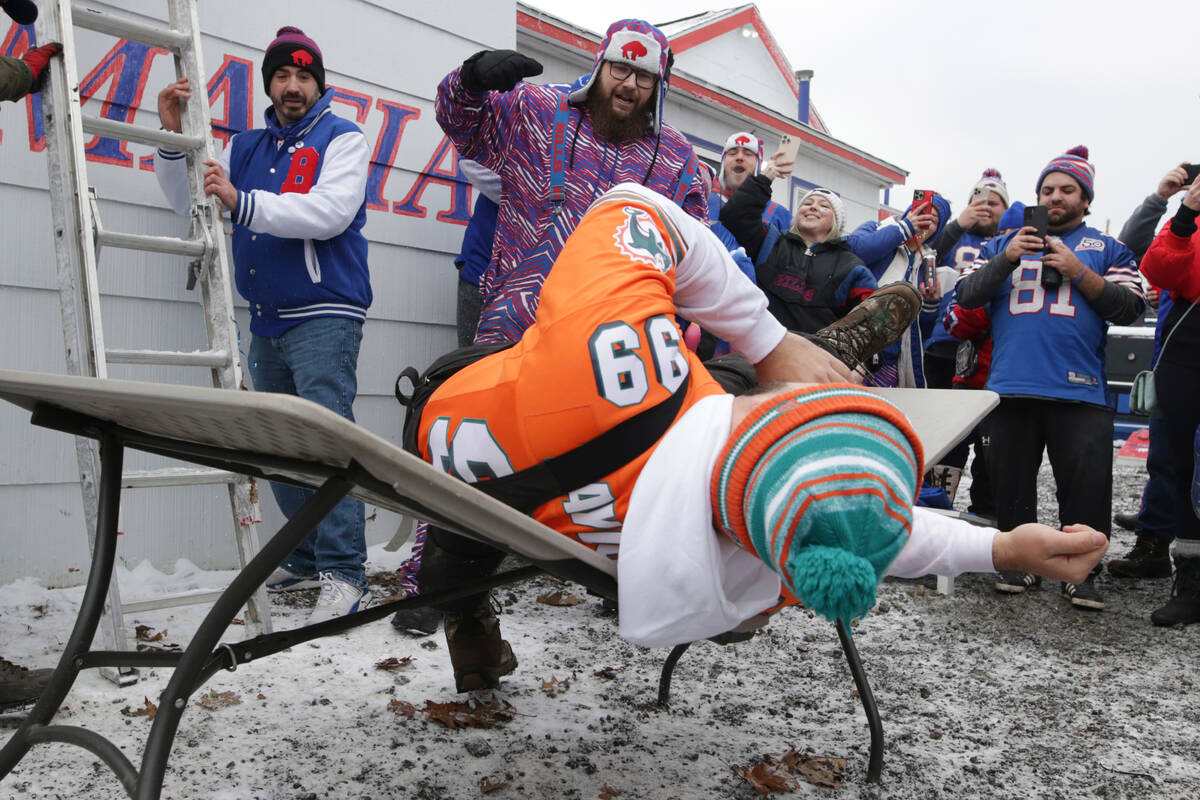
499,70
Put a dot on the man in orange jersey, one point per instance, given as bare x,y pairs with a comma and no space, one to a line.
806,485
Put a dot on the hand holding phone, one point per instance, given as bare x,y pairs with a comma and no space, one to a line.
1193,172
1025,243
789,147
922,201
1038,217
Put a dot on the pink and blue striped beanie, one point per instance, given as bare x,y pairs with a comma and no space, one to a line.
819,483
640,45
1075,163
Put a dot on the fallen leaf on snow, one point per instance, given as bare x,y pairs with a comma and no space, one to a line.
214,700
148,710
262,696
554,687
403,708
608,673
558,598
491,784
817,770
394,664
608,793
469,714
764,780
144,633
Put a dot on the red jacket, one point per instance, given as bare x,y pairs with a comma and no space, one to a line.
1173,262
973,324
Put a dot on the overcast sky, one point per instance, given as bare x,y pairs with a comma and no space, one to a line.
946,88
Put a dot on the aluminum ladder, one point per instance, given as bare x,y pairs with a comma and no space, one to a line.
79,236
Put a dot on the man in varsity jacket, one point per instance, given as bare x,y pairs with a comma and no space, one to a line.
806,485
296,191
1050,303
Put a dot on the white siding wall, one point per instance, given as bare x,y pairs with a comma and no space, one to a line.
744,66
371,48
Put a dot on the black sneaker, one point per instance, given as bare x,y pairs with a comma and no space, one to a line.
1129,522
417,621
880,319
1085,595
1184,606
1017,582
1150,557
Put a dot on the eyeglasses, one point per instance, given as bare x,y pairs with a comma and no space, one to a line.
621,72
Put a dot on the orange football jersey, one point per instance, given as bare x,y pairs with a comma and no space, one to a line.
604,347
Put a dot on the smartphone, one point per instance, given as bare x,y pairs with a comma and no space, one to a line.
923,197
1193,172
978,192
1038,217
789,146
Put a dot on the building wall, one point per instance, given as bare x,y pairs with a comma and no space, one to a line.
387,64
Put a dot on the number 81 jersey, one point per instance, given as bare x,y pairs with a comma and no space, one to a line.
604,347
1050,342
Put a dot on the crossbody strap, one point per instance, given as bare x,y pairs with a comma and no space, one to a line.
1178,322
589,462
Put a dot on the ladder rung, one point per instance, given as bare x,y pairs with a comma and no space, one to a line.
197,358
140,135
151,244
175,476
124,28
173,600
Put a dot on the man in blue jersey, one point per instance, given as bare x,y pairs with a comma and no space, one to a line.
957,248
296,191
1050,302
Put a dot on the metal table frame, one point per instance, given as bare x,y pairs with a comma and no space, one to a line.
329,454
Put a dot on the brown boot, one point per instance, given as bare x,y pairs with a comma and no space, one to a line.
478,654
20,686
880,319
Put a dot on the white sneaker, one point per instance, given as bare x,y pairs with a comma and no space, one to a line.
283,581
338,599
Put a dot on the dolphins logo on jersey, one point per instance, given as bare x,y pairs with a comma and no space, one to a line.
644,244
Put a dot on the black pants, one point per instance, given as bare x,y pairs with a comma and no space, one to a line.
1178,388
1078,439
983,500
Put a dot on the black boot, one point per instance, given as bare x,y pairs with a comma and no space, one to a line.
1184,606
1129,522
1150,557
477,653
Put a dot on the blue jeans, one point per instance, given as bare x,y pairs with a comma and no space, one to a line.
318,360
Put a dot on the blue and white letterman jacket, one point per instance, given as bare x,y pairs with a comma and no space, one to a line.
298,248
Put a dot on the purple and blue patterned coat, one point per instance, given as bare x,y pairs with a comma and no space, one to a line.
511,133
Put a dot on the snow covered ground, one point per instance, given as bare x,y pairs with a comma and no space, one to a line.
982,695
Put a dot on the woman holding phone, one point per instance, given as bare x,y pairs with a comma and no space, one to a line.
1173,263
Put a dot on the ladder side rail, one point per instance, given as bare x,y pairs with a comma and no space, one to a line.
78,290
216,291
